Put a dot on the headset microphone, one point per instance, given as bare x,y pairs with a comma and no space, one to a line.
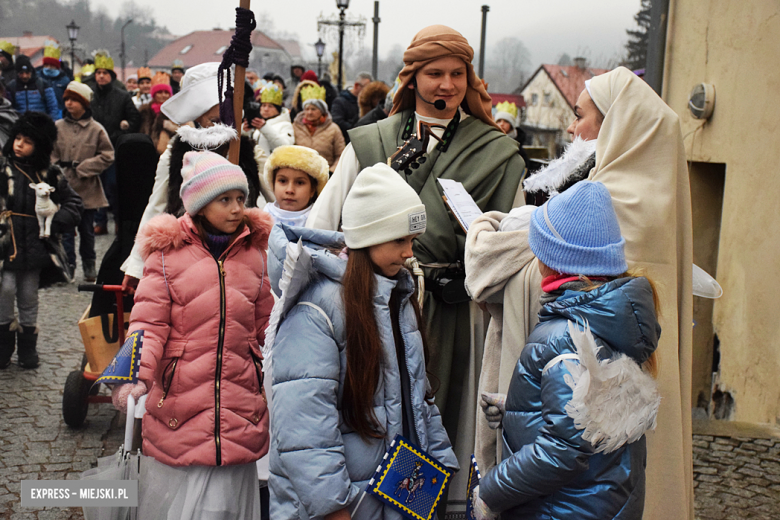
439,104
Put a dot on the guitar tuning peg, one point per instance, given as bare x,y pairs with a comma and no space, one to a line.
408,171
415,165
422,160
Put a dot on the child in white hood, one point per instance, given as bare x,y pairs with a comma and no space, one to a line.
297,175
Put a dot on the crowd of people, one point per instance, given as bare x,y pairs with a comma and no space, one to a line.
304,306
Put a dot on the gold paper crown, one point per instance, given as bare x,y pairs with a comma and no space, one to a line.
103,60
86,70
144,73
271,93
161,78
509,108
312,92
51,49
7,47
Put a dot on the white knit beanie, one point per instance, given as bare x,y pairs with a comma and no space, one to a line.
379,208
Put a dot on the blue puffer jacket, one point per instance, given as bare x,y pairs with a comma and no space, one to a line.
37,95
318,464
549,471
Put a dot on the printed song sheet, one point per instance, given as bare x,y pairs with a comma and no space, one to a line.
460,202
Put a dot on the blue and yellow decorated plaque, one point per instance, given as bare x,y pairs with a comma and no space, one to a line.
125,365
410,480
473,482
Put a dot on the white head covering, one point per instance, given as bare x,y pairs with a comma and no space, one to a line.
640,158
381,207
199,92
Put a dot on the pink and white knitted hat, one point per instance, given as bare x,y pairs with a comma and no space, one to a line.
205,176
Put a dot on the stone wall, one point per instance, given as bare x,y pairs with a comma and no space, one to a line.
736,477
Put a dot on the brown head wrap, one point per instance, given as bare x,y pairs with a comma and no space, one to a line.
432,43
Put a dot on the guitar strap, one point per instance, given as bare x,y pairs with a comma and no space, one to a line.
419,177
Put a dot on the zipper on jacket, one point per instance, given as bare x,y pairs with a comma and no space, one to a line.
220,346
258,372
166,389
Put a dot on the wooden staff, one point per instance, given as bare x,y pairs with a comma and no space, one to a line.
238,103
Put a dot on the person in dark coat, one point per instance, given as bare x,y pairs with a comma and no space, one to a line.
51,71
8,116
345,109
29,93
7,70
330,91
115,110
26,161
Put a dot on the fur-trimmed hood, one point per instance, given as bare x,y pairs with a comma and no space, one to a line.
165,232
562,173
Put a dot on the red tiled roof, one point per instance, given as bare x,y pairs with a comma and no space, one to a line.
292,47
204,47
570,80
512,98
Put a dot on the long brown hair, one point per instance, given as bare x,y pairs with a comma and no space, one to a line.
364,346
651,364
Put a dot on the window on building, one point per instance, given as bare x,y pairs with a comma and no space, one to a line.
547,99
221,50
534,99
186,49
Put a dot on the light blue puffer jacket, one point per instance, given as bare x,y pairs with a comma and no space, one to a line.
549,471
319,465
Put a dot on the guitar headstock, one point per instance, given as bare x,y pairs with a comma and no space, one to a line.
412,153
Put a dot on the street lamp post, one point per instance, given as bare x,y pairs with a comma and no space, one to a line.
485,10
375,54
73,34
320,48
122,32
342,5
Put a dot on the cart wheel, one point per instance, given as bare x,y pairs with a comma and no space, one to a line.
74,399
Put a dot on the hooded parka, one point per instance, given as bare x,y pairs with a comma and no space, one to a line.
204,321
318,464
549,471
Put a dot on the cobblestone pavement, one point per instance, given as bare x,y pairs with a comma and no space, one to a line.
736,475
35,443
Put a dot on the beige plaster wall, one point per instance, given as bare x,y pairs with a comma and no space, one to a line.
555,114
735,45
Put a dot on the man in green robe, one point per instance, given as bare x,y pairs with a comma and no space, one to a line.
440,89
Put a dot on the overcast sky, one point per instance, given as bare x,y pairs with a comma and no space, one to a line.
594,28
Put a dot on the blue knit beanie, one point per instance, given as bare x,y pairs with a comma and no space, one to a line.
577,232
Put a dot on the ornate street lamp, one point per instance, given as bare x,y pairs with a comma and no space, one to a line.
73,34
320,48
342,5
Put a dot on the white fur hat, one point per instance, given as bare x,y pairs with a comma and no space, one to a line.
199,92
299,158
381,207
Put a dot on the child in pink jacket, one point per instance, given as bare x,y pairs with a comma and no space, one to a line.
203,305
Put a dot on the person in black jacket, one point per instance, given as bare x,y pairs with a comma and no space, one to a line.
114,109
26,162
345,109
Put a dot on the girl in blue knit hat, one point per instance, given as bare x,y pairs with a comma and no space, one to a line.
583,392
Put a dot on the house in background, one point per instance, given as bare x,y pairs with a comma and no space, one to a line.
205,46
550,96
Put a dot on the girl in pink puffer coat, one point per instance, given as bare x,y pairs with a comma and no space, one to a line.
203,305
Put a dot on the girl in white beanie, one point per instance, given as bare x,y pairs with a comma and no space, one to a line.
348,354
